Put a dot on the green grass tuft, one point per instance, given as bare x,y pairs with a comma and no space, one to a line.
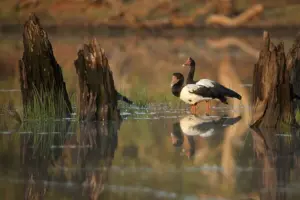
46,105
298,116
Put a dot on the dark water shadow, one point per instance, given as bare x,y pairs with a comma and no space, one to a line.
278,155
37,154
50,150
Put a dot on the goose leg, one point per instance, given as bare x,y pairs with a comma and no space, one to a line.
195,108
192,109
207,107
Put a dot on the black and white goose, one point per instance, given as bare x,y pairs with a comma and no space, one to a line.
203,90
219,91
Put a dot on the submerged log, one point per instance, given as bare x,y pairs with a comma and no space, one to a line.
98,96
41,78
276,85
239,20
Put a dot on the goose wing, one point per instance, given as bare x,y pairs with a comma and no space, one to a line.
219,90
207,83
193,93
202,90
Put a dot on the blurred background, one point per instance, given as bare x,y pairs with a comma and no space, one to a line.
152,13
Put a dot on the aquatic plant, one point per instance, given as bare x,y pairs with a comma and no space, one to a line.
297,117
46,105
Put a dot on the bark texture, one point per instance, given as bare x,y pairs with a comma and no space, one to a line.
272,99
97,95
293,66
41,78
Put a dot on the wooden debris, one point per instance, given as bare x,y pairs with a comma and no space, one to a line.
97,95
293,66
41,78
233,41
272,100
242,19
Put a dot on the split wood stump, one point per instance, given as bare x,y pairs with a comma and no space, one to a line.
41,78
97,95
276,84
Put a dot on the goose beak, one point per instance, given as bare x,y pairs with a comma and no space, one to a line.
187,62
174,81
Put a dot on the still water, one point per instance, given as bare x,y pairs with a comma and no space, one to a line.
159,150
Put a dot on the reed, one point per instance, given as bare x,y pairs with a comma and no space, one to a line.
45,105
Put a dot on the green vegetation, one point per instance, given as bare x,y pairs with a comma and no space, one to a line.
298,116
46,105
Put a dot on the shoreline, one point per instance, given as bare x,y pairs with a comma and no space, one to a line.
160,31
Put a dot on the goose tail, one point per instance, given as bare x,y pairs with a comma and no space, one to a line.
123,98
230,93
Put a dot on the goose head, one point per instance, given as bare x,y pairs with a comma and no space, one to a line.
189,63
177,83
177,79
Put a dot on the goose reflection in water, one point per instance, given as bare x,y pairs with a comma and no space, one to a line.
195,128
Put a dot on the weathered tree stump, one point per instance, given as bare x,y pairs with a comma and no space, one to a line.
97,95
41,78
275,85
293,66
